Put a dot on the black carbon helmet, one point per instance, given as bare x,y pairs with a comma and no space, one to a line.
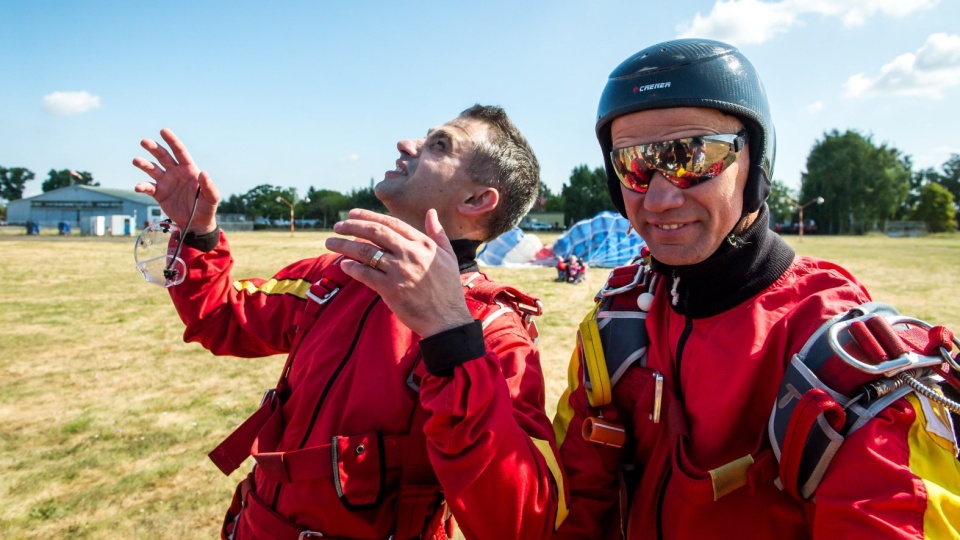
692,73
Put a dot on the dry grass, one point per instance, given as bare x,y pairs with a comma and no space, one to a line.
107,414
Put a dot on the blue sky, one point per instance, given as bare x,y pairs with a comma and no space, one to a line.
298,93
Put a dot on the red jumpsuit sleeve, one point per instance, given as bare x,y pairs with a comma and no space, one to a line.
245,318
896,477
592,469
490,441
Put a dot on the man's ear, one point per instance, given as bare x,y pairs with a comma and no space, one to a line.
479,201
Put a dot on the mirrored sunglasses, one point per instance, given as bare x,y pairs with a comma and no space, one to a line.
683,162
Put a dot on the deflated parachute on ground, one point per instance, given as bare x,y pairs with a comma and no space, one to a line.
512,248
601,241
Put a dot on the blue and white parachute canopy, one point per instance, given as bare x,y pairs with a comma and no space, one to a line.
601,241
512,248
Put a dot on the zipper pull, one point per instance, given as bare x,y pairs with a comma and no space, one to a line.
674,293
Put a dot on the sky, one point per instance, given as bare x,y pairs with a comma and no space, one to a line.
313,93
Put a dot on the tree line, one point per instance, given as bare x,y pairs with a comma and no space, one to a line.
863,185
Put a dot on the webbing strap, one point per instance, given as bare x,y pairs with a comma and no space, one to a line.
313,463
235,449
814,407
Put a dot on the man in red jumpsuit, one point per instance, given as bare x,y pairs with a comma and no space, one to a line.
680,448
336,447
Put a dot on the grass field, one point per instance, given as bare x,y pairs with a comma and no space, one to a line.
107,415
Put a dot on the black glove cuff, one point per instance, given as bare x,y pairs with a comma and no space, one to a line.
444,351
203,242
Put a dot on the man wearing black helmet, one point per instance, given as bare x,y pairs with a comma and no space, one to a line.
663,430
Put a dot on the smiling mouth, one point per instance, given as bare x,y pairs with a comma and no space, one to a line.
670,226
401,168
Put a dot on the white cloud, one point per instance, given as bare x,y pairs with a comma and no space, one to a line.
741,22
67,103
929,72
746,22
815,107
350,157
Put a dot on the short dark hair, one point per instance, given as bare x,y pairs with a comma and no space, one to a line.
505,161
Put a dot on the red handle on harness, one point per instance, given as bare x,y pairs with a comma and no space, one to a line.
812,405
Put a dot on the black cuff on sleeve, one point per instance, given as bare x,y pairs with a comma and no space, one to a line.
203,242
444,351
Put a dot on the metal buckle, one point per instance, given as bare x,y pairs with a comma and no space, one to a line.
322,299
310,534
638,279
268,396
909,360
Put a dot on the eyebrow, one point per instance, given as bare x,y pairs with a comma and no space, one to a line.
442,133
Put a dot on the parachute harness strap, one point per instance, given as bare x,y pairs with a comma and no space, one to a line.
885,340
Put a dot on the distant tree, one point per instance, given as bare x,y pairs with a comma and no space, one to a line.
917,180
261,201
935,208
234,204
864,184
366,198
325,205
3,212
548,201
586,195
779,202
66,177
12,182
950,179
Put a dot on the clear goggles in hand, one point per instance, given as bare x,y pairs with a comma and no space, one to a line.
157,254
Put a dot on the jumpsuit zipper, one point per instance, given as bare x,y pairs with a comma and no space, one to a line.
678,391
328,386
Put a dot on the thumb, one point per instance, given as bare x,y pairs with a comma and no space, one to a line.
434,230
209,190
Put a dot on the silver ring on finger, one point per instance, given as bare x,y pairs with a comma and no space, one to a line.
376,259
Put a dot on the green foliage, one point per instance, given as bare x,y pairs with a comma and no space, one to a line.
3,212
586,195
325,205
12,182
234,204
261,202
781,210
950,179
366,198
864,185
936,209
66,177
548,201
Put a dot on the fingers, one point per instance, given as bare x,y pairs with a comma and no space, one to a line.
147,188
394,224
361,252
149,167
178,148
388,232
159,152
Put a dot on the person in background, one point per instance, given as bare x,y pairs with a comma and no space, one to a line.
663,430
380,425
576,269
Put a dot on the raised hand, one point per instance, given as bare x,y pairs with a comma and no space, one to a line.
417,275
175,181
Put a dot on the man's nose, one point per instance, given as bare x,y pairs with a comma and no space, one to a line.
662,194
411,147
